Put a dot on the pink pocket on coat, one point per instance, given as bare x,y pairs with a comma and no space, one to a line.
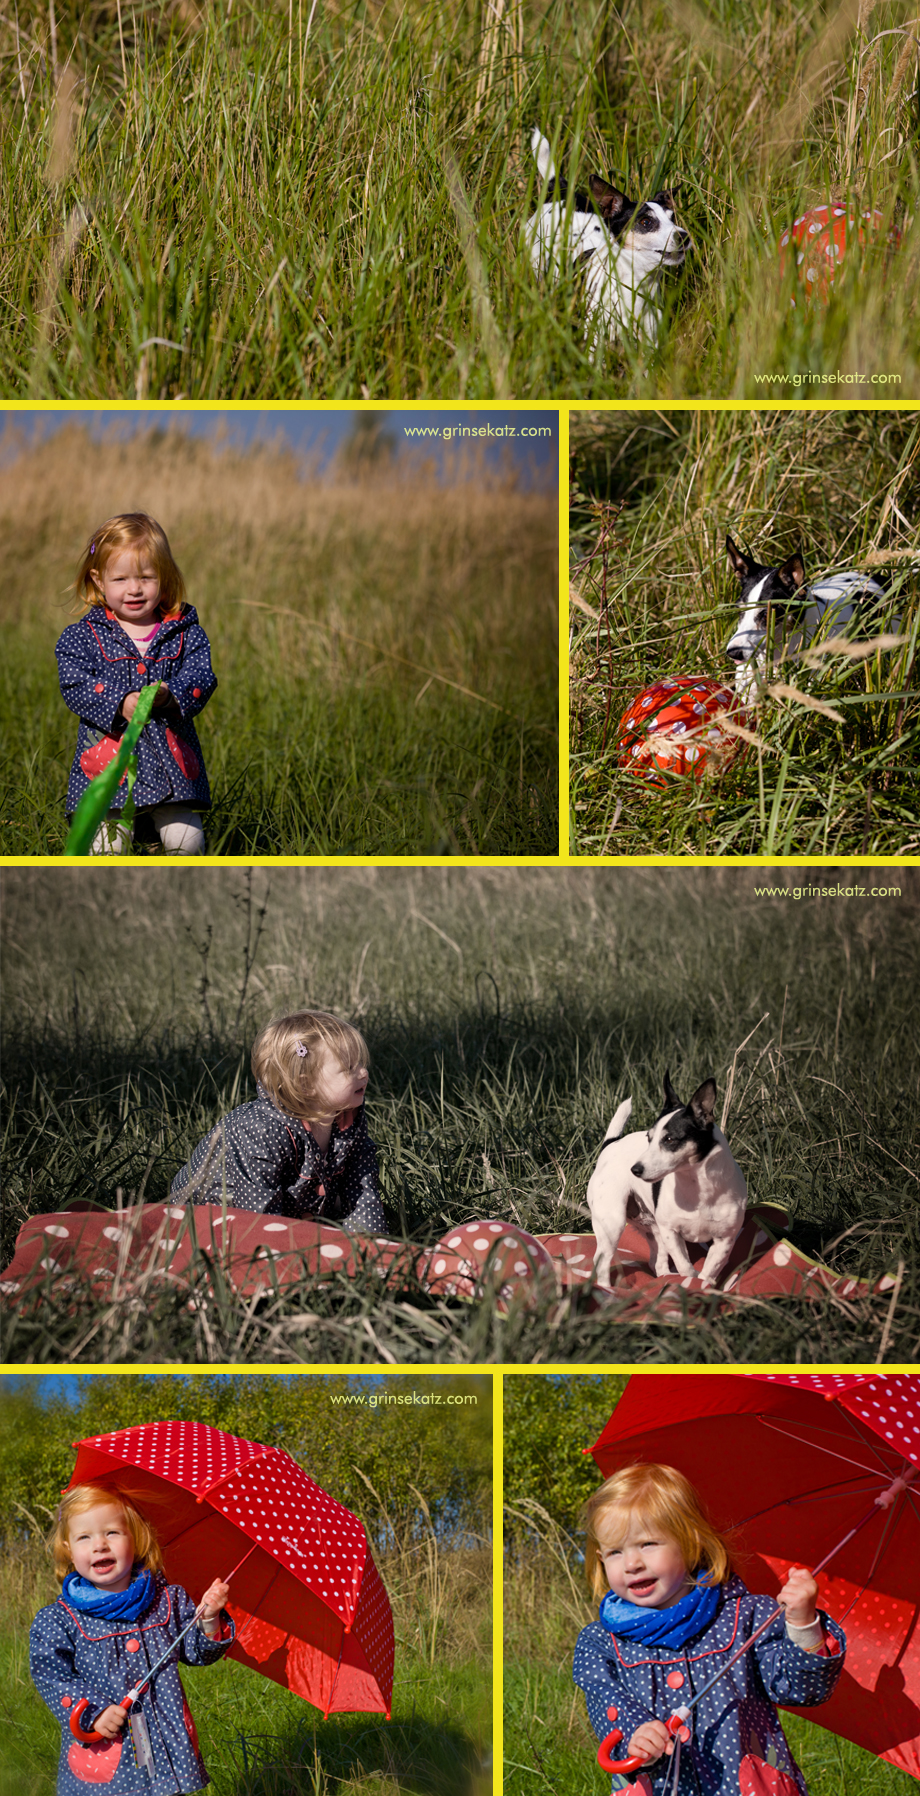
95,1764
184,756
756,1778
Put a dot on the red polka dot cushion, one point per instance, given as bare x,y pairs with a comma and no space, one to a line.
676,727
497,1254
819,242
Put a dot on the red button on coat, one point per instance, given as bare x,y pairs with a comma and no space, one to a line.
196,691
142,667
612,1714
132,1646
100,688
675,1679
66,1702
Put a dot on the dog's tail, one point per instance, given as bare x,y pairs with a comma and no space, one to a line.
543,155
619,1121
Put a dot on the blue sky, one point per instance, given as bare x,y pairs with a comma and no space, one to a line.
316,435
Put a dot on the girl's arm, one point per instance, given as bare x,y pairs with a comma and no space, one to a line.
364,1214
611,1706
193,681
52,1664
201,1646
93,691
791,1673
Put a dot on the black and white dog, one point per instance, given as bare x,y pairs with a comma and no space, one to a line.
677,1183
799,610
619,247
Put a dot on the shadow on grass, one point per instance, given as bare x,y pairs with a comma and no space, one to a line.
317,1760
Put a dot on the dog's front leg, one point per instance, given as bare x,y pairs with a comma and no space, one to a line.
717,1258
671,1245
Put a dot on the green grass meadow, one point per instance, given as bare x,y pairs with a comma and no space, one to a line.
376,696
832,769
508,1011
258,200
431,1545
549,1745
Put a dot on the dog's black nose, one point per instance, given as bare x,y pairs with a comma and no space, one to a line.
637,1170
736,655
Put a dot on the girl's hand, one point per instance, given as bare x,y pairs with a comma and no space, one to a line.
163,697
110,1722
213,1601
798,1595
649,1741
129,705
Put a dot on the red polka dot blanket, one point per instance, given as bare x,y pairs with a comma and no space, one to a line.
130,1253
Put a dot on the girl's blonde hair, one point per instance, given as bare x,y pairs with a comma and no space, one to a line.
85,1496
130,530
664,1501
286,1058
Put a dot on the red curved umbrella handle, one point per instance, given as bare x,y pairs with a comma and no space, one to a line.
89,1739
608,1764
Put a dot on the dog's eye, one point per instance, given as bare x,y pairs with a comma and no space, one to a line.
760,620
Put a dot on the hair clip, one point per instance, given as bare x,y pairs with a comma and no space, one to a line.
300,1050
92,548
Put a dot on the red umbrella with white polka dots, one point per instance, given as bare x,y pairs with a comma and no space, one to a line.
307,1599
790,1463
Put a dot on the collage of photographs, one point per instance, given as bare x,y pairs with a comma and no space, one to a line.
460,898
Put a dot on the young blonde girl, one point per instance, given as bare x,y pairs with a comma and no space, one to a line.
301,1148
137,629
672,1611
116,1616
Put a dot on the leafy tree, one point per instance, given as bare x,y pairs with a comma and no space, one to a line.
548,1422
413,1455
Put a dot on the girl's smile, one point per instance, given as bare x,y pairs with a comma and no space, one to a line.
101,1547
130,587
642,1565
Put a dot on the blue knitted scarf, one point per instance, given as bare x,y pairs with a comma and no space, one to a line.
670,1628
113,1605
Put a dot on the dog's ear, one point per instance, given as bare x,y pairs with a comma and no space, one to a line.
792,572
671,1099
665,199
703,1102
741,563
612,205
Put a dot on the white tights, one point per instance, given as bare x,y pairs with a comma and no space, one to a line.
179,829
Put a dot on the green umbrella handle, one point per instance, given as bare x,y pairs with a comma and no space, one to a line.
96,802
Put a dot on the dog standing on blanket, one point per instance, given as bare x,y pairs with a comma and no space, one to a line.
677,1183
828,605
618,245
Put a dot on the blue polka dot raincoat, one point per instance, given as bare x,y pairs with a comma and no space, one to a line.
627,1683
73,1654
98,665
265,1160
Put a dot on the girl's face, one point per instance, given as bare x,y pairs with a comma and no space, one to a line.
101,1547
130,586
642,1564
340,1087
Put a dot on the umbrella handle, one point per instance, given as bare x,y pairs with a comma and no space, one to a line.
92,1738
673,1724
608,1764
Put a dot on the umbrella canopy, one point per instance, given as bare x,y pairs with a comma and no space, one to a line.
309,1607
791,1463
